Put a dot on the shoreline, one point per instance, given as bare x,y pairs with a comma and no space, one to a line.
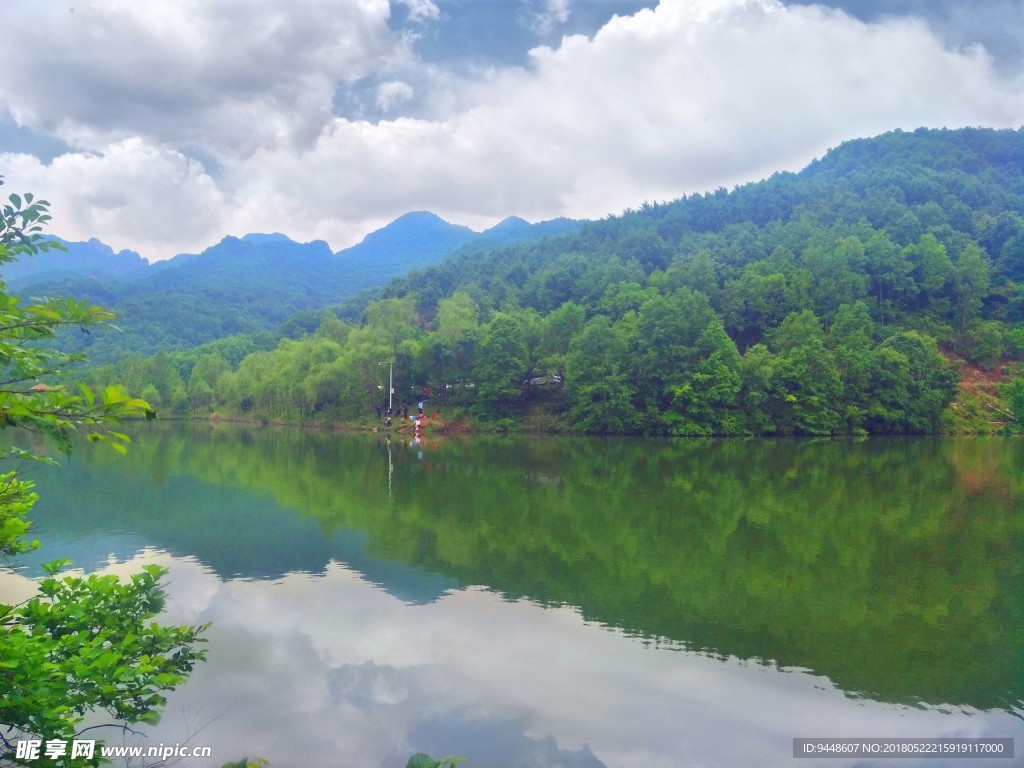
464,427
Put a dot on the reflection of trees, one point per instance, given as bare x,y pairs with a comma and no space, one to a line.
895,567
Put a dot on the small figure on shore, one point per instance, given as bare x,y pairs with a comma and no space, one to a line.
405,410
379,411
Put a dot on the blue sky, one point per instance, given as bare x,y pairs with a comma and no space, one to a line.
164,126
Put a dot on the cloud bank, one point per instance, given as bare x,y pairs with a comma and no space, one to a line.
191,120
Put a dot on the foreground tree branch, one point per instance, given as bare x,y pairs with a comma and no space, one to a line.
83,644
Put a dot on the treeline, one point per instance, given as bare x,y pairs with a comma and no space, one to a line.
813,303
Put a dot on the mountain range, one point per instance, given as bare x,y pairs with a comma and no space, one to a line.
247,284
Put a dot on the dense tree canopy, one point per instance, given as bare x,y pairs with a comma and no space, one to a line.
829,301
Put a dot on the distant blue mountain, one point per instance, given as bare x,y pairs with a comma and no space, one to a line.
412,241
416,236
246,284
91,259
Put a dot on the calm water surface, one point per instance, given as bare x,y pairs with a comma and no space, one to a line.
562,602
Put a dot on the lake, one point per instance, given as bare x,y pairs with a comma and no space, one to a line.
565,602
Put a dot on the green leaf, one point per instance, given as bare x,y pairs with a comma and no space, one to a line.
53,566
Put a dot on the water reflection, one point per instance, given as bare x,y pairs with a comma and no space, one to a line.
636,603
332,670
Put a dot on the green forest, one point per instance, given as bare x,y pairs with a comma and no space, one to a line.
879,290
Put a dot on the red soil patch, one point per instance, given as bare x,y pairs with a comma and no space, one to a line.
974,378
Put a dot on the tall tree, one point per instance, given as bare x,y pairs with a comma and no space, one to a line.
970,284
596,374
668,329
928,378
501,364
806,376
706,402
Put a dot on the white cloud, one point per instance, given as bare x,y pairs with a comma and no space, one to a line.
392,93
421,11
548,17
225,75
134,195
686,97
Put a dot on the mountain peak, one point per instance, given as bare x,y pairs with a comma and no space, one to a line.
257,238
414,232
418,216
507,225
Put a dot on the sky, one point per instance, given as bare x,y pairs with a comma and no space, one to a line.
163,126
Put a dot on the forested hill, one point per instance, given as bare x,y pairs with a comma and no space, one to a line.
825,301
241,285
961,186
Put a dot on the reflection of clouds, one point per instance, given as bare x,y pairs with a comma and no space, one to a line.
334,671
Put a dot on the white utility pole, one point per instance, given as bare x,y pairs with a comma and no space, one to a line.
391,387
